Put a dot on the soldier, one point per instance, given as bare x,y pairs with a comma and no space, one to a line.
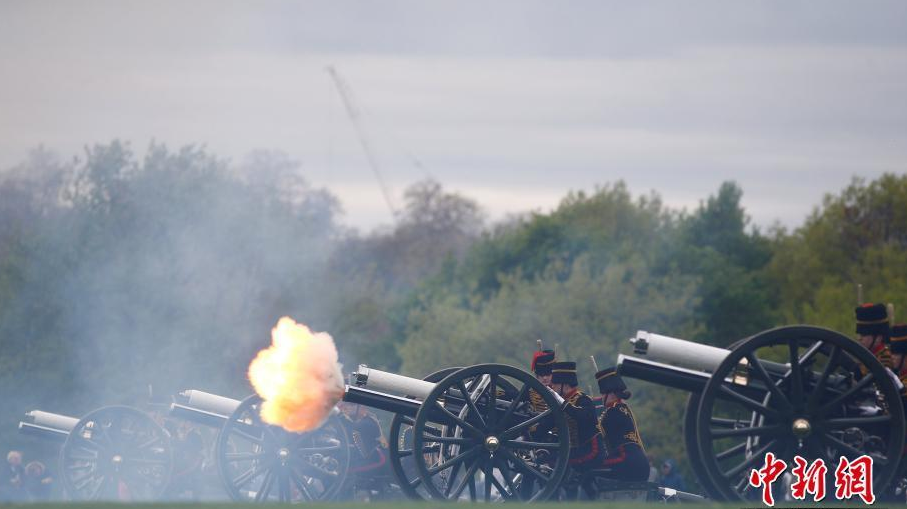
582,427
585,448
367,456
625,456
898,347
541,363
188,458
541,366
873,329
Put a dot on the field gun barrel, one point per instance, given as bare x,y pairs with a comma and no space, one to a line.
47,425
663,374
688,354
380,401
688,366
680,378
203,407
401,394
385,382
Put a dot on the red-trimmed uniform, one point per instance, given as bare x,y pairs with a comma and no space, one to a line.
585,442
898,346
367,455
872,320
625,457
542,361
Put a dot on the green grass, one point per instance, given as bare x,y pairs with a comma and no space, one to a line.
389,505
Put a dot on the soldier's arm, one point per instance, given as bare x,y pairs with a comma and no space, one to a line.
581,410
371,432
615,424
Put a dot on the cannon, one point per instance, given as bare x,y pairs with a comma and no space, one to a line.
795,390
456,434
112,453
459,433
258,462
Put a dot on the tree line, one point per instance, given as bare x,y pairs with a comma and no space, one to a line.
124,279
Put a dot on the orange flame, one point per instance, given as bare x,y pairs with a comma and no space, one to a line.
298,377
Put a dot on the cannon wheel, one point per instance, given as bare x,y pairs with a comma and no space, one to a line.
400,442
400,437
812,410
261,463
116,453
483,443
690,438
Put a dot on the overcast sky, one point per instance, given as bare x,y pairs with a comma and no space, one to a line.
511,103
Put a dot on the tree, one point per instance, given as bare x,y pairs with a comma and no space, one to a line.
735,298
857,236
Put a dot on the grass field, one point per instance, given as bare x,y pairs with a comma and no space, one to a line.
331,505
396,505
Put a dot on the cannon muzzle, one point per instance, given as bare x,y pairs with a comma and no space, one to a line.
47,425
203,407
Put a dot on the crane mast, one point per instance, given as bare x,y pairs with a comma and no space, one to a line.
346,95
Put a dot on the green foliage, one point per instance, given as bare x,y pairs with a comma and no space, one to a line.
736,300
118,272
856,237
608,224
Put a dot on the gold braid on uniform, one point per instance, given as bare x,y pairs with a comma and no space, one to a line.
537,402
357,441
884,357
572,427
633,436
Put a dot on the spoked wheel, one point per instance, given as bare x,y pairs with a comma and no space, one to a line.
263,463
691,439
401,448
116,453
483,450
797,391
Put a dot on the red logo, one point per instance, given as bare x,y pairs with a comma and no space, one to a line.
852,478
809,480
765,476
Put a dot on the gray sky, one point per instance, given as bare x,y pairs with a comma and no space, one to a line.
511,103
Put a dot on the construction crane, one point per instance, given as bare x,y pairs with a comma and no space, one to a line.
346,94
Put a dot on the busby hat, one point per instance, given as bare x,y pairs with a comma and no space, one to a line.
564,373
872,320
610,382
899,339
542,360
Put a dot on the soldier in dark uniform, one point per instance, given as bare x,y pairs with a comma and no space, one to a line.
541,366
368,460
625,457
541,363
365,434
873,330
898,347
585,442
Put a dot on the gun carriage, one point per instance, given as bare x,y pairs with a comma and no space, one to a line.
114,452
795,390
456,434
258,462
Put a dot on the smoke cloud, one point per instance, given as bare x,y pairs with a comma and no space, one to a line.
298,376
